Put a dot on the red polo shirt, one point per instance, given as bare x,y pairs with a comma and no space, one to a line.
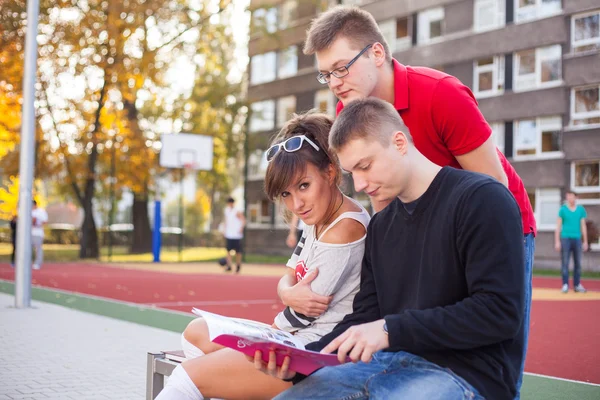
445,122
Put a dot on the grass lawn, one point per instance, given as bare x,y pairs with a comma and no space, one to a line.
70,253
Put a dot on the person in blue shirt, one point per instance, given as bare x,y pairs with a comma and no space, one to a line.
570,230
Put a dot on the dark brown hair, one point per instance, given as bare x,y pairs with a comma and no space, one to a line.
356,25
368,118
285,167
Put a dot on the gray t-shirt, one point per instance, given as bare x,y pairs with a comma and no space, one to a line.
339,274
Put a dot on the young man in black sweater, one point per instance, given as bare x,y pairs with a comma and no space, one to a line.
441,296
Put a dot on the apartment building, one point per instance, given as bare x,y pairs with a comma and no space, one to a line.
533,65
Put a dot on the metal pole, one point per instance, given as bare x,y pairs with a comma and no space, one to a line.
26,162
181,213
156,237
112,200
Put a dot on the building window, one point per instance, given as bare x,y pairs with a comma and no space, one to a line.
325,102
585,181
286,106
263,68
288,62
539,137
498,135
489,14
259,214
263,116
528,10
430,25
585,105
257,165
488,76
538,68
585,32
545,203
396,33
287,13
265,19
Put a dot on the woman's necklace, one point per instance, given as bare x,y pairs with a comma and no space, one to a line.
328,220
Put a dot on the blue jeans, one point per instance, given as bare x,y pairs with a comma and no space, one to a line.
568,246
388,376
529,243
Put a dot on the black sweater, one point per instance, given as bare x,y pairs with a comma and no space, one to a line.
449,280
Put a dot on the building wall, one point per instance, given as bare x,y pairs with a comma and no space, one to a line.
457,52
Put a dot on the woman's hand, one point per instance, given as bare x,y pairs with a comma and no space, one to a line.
302,299
271,367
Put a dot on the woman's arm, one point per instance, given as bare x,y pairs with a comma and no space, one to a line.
299,295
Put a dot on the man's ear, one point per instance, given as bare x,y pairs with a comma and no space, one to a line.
400,141
378,53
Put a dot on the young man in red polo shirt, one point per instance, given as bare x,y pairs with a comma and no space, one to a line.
448,128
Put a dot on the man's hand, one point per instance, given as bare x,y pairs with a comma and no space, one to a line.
556,245
585,246
271,367
360,342
302,299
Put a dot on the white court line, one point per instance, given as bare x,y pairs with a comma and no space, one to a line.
212,303
562,379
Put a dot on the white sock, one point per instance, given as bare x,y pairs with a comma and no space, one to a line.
180,387
189,349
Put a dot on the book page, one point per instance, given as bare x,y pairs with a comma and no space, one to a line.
219,325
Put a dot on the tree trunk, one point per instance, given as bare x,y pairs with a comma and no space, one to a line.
89,247
89,236
142,234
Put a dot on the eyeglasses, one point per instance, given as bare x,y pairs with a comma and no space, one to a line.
340,72
290,145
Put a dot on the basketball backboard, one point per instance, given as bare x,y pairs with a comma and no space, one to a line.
185,150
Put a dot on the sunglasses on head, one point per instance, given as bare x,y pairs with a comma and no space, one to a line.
290,145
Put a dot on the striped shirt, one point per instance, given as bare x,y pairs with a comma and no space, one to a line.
339,268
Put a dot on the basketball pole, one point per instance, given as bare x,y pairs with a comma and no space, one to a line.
181,212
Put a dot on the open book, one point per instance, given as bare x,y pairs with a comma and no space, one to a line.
249,336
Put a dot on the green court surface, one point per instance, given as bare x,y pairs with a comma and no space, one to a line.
535,387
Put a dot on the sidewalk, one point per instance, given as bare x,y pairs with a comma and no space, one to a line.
52,352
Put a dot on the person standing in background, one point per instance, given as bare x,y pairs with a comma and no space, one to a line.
234,232
39,219
13,236
570,229
296,228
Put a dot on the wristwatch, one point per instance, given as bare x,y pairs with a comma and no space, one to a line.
385,329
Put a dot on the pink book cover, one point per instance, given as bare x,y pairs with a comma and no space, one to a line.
303,361
249,336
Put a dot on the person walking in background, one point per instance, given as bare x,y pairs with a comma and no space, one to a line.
234,232
13,236
39,219
570,229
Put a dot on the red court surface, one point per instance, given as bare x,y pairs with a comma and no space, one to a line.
564,336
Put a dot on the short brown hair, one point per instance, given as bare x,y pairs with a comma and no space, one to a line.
285,167
366,118
356,25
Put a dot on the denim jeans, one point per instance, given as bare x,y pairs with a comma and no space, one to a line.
568,246
388,376
529,243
